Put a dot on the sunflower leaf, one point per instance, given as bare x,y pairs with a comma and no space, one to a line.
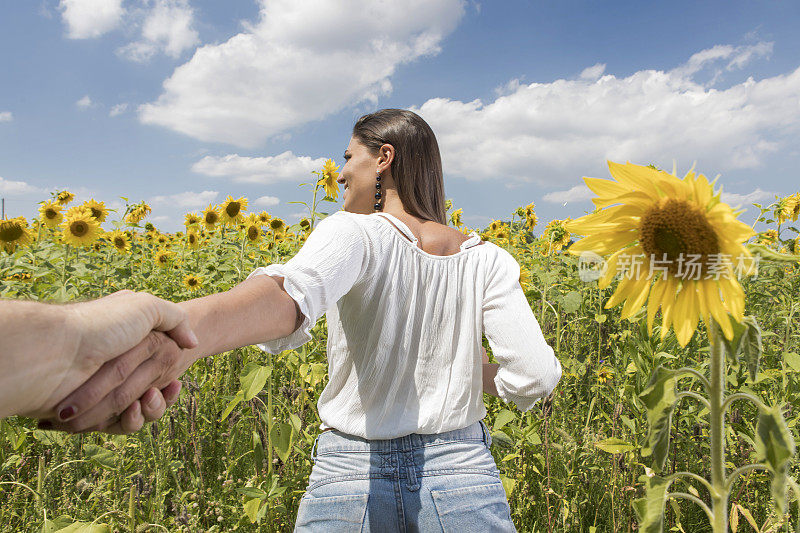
253,378
659,398
775,447
650,509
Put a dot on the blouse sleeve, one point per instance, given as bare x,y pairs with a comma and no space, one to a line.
528,367
327,266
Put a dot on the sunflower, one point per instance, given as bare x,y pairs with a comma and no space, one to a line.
787,208
768,237
231,210
676,227
455,217
495,225
51,214
64,197
525,278
191,219
80,228
120,241
162,239
192,240
162,258
555,236
502,232
604,373
253,233
305,224
252,218
530,216
210,217
328,180
264,217
98,209
276,224
14,232
137,213
192,282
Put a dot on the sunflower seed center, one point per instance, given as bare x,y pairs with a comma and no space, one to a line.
674,232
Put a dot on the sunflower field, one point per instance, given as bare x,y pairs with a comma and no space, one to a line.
677,409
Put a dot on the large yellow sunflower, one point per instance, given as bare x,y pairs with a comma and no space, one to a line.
210,217
328,179
193,282
80,228
14,232
675,233
264,217
192,240
231,210
98,209
191,219
253,233
162,258
51,214
119,241
276,225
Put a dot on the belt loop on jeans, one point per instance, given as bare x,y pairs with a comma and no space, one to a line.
313,450
487,437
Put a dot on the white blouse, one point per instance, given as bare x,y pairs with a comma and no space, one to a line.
405,327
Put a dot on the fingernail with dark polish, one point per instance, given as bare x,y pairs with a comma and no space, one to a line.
45,424
66,413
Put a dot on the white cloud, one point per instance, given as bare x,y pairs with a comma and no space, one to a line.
12,188
166,27
301,61
84,103
553,133
593,72
266,170
86,19
186,199
6,116
266,201
575,194
118,109
745,200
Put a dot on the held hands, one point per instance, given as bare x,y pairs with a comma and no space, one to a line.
120,367
485,357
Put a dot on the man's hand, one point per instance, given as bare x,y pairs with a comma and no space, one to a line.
108,401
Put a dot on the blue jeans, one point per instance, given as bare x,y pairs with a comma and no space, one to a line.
442,482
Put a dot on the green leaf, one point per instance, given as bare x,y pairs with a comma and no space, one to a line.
252,492
659,399
100,456
498,437
750,347
233,403
650,509
572,302
282,438
793,360
251,509
775,447
65,524
253,379
503,417
614,445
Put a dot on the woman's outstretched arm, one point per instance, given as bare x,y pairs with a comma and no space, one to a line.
256,310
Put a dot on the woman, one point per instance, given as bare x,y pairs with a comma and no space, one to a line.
403,445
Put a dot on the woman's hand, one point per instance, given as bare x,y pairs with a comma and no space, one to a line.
485,357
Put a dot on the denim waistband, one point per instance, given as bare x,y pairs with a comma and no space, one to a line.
335,441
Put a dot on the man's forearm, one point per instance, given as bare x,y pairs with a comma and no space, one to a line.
489,372
256,310
36,344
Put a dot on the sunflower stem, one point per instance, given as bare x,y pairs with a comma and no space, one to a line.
314,203
719,497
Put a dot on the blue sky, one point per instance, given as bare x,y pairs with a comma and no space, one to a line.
182,102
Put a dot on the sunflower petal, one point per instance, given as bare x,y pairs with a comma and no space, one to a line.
654,301
640,290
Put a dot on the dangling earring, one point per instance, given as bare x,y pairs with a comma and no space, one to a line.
378,194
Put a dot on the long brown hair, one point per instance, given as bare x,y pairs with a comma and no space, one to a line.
417,165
